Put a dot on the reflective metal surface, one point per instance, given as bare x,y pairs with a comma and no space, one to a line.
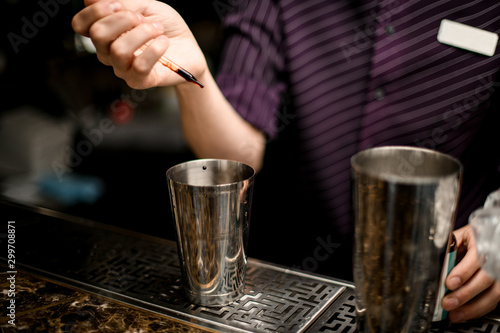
211,202
404,204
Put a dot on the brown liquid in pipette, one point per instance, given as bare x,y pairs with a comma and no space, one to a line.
181,71
177,69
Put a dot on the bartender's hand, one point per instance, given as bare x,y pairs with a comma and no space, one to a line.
118,28
474,292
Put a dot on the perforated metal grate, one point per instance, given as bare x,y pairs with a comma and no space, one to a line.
340,317
144,271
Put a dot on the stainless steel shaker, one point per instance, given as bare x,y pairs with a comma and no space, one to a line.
211,202
404,201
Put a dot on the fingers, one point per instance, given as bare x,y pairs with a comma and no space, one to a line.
480,282
111,29
479,306
462,235
121,34
117,34
469,265
147,59
474,292
140,73
84,19
118,28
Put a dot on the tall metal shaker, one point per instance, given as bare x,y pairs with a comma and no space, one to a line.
405,201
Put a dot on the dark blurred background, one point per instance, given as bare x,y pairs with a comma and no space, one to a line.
75,138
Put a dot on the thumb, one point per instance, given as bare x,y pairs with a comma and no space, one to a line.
469,265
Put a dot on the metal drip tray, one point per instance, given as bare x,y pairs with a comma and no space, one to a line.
143,271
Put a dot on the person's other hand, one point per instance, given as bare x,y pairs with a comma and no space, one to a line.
474,292
118,28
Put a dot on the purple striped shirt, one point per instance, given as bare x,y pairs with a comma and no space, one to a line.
362,74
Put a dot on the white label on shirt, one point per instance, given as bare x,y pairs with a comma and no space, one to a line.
467,37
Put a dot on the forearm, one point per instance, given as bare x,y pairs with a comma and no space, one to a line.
213,129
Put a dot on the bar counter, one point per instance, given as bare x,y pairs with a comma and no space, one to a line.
76,275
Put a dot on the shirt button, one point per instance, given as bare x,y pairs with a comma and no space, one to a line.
379,94
389,30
